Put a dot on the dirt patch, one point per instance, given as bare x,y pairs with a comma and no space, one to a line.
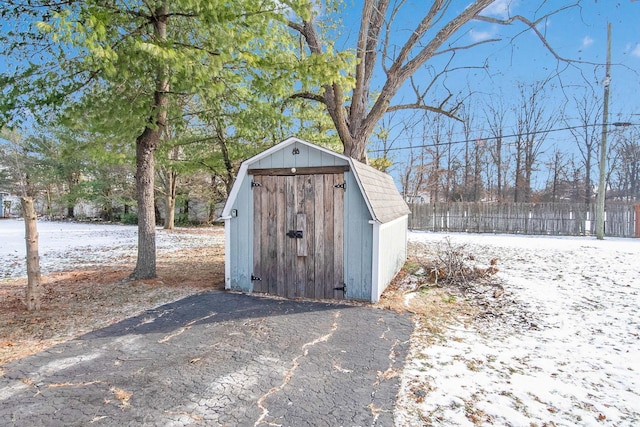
444,285
79,301
434,307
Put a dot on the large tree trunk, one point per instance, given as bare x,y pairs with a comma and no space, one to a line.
34,286
146,262
146,145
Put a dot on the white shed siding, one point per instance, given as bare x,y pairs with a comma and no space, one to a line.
358,242
307,157
240,247
390,252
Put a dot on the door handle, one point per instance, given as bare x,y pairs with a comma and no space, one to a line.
295,234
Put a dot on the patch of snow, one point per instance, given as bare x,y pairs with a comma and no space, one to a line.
69,245
577,362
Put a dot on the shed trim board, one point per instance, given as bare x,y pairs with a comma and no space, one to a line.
298,171
371,220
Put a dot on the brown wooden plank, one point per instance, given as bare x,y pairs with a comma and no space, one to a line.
300,262
309,207
260,222
312,170
319,236
328,267
290,272
271,267
301,225
281,222
338,237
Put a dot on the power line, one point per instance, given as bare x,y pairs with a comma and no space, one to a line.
462,141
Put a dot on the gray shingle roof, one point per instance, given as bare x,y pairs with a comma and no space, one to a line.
386,202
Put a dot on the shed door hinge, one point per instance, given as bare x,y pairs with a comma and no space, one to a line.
254,278
255,184
342,288
343,185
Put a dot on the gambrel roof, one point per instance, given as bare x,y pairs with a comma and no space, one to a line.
380,193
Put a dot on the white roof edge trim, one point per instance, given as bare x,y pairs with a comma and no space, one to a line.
242,173
289,141
364,194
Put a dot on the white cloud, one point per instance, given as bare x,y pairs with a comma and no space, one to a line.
636,51
587,41
479,36
500,8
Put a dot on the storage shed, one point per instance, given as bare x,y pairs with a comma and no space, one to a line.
304,221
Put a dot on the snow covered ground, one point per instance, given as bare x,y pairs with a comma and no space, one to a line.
576,362
67,245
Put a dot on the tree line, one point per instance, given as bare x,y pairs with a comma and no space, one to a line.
499,152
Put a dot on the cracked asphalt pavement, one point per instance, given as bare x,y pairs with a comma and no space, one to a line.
218,358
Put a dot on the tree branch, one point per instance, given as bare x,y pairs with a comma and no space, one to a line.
470,46
310,96
416,106
403,67
533,25
193,47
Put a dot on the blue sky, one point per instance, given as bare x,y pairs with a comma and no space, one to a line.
578,34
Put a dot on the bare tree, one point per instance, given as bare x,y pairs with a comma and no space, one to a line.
389,131
434,136
356,114
587,137
496,116
454,170
412,174
534,120
625,173
559,180
474,162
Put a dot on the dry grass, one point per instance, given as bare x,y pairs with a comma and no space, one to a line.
435,306
77,302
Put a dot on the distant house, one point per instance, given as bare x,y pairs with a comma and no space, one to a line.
418,198
304,221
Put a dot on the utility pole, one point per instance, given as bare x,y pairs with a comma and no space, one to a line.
603,145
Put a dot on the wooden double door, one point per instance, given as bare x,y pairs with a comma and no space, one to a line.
298,235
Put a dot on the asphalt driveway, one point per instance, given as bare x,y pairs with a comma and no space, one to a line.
218,359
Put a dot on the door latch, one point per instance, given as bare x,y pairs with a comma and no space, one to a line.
295,234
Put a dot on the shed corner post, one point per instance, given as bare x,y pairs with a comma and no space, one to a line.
375,261
227,252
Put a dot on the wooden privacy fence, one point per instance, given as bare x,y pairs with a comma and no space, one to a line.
565,219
